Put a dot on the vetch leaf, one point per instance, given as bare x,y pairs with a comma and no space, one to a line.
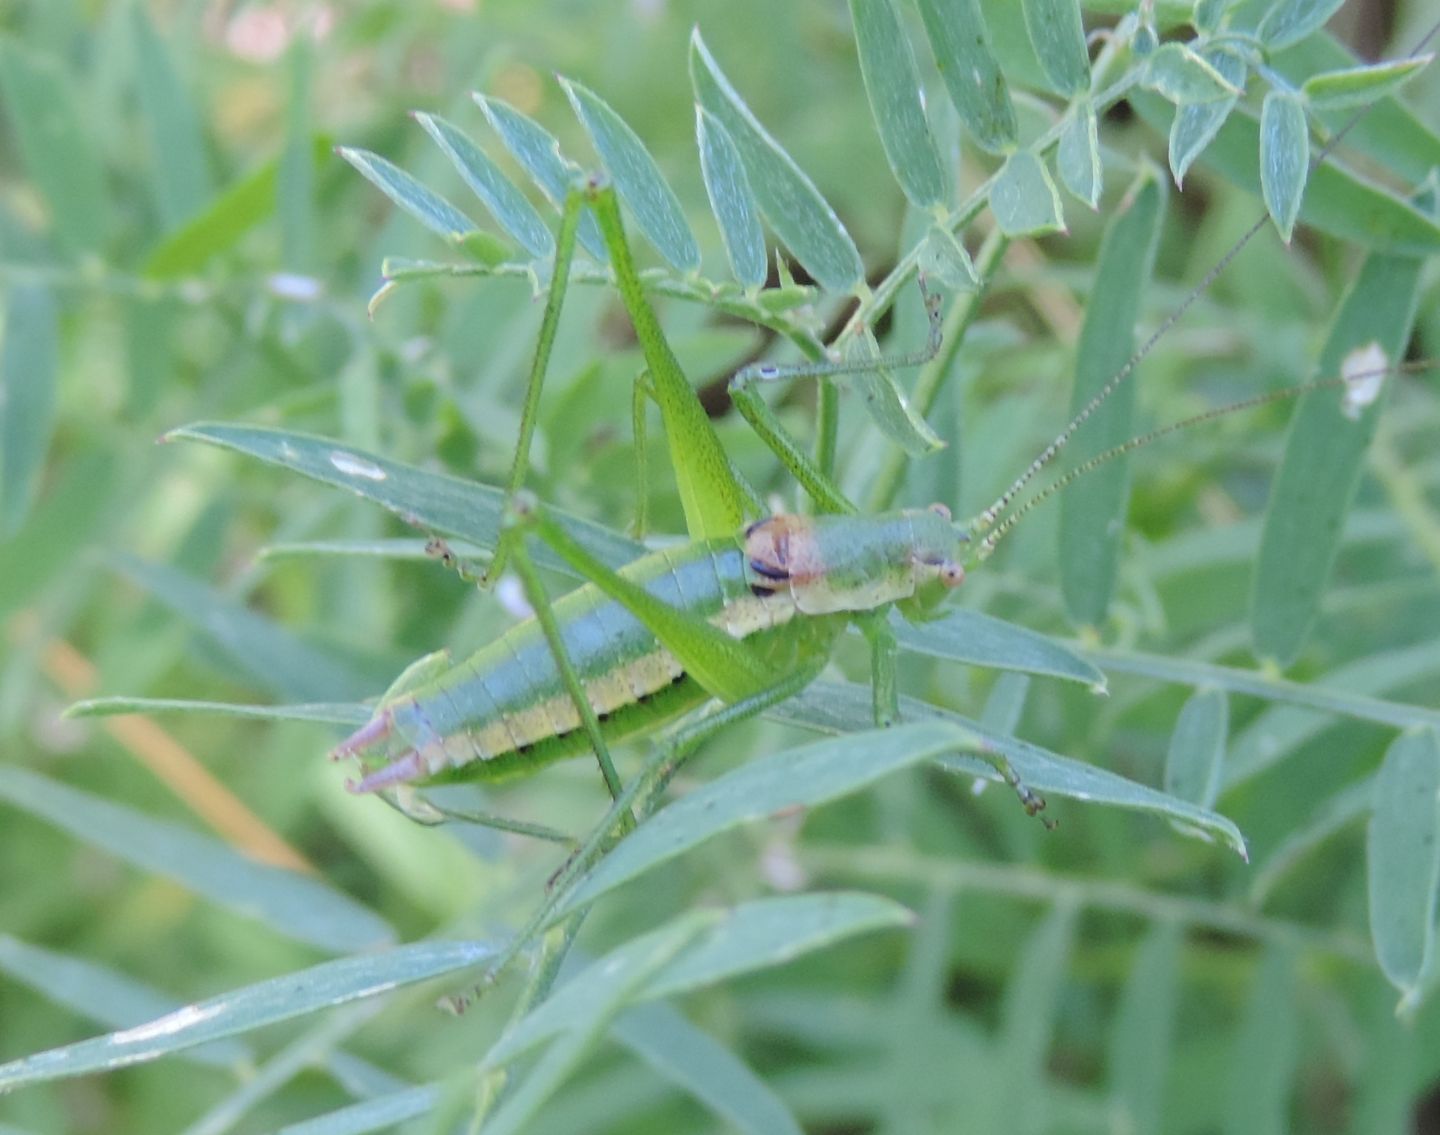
1290,21
1284,158
297,906
1197,748
60,154
432,501
978,639
99,994
731,200
892,84
1324,451
241,1010
1058,35
1196,123
943,257
503,201
1024,198
538,153
637,178
754,935
1337,200
972,75
1402,854
178,161
422,203
1361,86
1078,155
29,365
886,403
1092,510
1183,75
838,707
797,212
796,778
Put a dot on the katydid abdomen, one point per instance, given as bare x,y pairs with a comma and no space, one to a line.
785,587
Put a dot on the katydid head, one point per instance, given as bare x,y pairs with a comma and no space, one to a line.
829,564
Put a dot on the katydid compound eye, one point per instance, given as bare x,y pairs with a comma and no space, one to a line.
952,574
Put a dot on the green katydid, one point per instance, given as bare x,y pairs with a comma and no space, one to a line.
743,614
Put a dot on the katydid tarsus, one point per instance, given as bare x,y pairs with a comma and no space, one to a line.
745,615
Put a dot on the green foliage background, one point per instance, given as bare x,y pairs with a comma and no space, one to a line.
171,207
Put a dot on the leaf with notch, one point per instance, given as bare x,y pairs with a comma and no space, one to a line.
1284,158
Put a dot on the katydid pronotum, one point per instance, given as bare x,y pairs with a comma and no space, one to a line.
745,614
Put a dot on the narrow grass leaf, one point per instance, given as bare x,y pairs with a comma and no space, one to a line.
1262,1058
625,972
254,1006
804,777
796,211
325,713
695,1062
1284,158
178,161
972,75
1184,76
892,84
29,369
296,201
294,905
1027,1020
1402,855
731,200
381,1113
1348,806
100,994
1324,454
1361,86
1077,157
637,178
421,202
754,935
503,201
1142,1037
1057,33
1196,123
538,153
1337,200
274,657
886,403
434,502
60,154
1024,199
1197,748
1092,510
1290,21
218,227
837,707
983,640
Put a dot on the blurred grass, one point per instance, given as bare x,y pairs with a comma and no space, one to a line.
183,289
